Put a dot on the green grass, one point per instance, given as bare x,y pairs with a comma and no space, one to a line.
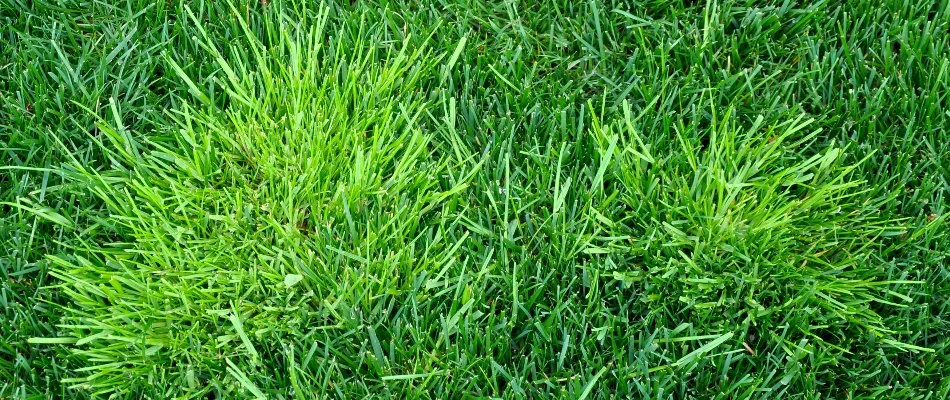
465,199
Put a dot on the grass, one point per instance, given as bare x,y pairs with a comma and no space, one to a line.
456,199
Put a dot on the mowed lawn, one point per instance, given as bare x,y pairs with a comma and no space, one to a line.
450,199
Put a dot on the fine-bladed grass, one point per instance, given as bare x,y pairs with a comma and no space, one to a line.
467,199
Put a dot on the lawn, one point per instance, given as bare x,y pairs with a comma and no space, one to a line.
721,199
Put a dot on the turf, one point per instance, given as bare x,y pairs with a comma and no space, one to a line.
466,199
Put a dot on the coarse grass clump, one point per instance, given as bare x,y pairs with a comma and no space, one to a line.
228,238
752,226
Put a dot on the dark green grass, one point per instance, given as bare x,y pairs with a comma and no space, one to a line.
662,199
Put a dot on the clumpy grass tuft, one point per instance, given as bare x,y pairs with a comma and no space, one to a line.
753,226
243,229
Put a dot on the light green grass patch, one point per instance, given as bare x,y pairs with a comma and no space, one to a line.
305,198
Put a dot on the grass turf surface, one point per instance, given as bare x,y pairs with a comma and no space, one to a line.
659,199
